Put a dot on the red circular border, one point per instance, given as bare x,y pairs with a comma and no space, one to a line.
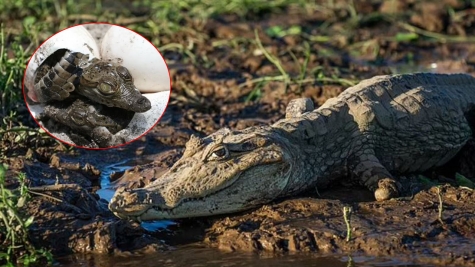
90,148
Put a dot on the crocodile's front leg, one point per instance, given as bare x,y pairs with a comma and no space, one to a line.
372,174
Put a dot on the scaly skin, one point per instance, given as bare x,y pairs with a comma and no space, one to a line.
112,85
57,77
90,119
384,126
101,81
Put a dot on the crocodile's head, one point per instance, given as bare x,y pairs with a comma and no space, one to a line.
223,173
112,85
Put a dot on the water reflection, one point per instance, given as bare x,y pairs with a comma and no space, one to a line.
107,191
201,256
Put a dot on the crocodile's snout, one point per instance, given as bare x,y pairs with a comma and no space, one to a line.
131,203
142,104
127,203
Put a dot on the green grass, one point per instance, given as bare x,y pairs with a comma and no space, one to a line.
15,245
347,211
11,72
463,181
177,10
304,75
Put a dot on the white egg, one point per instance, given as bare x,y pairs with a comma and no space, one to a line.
139,56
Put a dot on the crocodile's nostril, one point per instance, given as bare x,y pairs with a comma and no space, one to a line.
143,104
143,101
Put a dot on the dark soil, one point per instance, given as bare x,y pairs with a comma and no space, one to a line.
215,89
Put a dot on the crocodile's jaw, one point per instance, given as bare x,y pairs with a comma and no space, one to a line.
197,186
228,200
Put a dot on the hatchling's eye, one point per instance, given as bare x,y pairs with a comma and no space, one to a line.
124,73
108,87
219,153
78,117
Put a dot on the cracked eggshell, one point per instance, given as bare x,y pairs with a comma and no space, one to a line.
139,56
76,39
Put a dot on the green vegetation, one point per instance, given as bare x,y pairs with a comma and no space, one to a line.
160,20
347,211
11,72
460,181
463,181
15,245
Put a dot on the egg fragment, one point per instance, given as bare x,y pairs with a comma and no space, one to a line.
139,56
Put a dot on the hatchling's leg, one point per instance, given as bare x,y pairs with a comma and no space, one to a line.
104,138
375,177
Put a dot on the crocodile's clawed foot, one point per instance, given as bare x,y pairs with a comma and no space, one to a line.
387,188
102,136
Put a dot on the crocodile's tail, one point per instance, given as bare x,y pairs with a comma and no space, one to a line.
59,75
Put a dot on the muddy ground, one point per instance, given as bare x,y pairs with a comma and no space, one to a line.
217,88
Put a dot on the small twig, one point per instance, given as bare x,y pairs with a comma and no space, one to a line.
19,130
466,188
347,216
274,60
55,187
126,21
318,193
45,195
341,81
441,205
316,190
60,187
262,79
350,262
442,37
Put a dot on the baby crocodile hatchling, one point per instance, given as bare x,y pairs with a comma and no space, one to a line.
102,81
63,81
102,124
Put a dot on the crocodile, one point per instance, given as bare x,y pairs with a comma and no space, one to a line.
73,89
102,81
371,133
88,118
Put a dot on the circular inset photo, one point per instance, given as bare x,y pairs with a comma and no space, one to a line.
96,85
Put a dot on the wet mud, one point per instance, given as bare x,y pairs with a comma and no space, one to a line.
218,88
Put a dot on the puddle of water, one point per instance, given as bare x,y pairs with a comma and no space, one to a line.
153,226
197,256
107,191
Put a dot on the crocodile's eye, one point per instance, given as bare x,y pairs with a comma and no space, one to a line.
108,87
78,117
221,152
124,73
